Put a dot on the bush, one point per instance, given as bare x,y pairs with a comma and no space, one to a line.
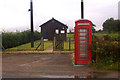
12,39
105,50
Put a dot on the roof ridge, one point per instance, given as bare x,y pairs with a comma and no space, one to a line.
54,20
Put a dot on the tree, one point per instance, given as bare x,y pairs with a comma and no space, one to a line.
93,29
99,31
111,25
71,31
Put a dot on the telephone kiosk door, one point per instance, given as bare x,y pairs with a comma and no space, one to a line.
83,39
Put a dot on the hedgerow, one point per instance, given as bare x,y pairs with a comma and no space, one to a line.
105,51
12,39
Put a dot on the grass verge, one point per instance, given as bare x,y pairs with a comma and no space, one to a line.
27,46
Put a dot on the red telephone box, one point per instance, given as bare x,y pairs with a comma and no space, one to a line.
83,39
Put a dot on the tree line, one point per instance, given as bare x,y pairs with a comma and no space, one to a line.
111,26
12,39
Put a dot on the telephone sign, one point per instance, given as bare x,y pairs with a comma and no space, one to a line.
83,39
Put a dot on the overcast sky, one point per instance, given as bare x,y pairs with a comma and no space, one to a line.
14,14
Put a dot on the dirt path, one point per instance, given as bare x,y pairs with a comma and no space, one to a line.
49,49
48,66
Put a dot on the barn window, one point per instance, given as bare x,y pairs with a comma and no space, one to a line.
57,31
62,31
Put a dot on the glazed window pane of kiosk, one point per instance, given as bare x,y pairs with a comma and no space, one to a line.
83,42
83,49
83,30
83,54
83,35
82,45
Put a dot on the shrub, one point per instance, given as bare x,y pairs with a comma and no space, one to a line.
105,50
12,39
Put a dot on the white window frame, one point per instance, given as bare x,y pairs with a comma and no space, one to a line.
57,31
62,31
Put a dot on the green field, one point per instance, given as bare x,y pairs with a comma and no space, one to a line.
66,45
27,46
112,35
71,36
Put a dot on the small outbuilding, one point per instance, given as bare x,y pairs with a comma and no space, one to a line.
54,28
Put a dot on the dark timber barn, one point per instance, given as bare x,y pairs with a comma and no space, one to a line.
54,28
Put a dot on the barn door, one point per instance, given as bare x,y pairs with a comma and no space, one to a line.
46,34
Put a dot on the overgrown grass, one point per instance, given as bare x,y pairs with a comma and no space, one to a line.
66,45
101,65
47,44
27,46
112,36
99,34
105,51
71,36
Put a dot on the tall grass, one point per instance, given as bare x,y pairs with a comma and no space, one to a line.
105,51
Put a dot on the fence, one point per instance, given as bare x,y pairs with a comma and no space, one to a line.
41,44
58,44
62,45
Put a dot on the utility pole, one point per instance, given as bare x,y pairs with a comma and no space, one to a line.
31,21
119,10
82,9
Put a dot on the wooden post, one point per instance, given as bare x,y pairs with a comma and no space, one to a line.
69,44
54,43
42,44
